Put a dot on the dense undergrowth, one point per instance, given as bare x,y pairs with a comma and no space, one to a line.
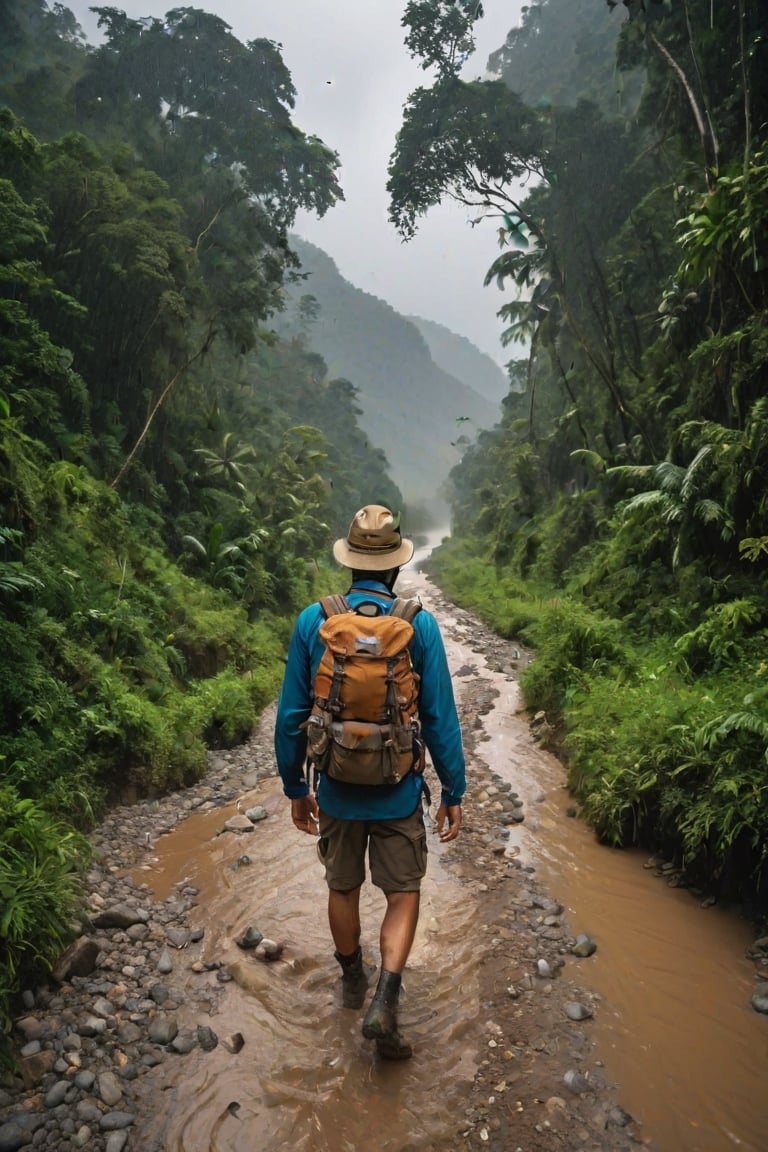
660,712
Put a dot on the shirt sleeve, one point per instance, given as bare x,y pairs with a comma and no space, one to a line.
293,707
437,708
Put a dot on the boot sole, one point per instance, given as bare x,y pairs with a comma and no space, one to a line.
393,1048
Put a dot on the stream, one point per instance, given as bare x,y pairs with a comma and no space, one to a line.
674,1028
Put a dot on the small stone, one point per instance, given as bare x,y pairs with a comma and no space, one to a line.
251,938
619,1118
78,960
114,1121
13,1136
576,1011
584,946
55,1095
576,1082
759,998
120,916
165,964
103,1008
555,1104
178,937
238,823
116,1141
163,1029
110,1090
183,1044
269,950
256,814
206,1038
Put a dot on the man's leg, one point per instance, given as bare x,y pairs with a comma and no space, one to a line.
398,929
344,920
341,847
398,858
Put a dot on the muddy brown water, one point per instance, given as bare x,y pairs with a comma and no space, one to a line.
674,1026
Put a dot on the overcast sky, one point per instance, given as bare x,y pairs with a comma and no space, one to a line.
352,74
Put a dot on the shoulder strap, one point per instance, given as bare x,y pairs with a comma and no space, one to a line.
406,609
336,605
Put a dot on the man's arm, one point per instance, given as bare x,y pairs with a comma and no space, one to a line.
293,708
440,720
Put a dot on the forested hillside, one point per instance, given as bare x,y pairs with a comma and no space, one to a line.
424,415
617,517
461,358
169,468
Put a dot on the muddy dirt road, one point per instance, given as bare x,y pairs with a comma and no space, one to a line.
510,1028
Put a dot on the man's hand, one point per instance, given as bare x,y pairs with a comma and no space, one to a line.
304,814
451,813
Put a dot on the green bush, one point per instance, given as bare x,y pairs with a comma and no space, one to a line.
570,640
41,860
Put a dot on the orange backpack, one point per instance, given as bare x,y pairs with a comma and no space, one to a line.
363,728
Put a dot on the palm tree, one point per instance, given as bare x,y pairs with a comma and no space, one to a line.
229,462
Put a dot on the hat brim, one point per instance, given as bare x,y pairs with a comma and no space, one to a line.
372,561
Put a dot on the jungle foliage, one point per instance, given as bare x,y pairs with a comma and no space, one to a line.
169,468
617,517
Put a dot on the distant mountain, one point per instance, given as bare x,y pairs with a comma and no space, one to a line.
463,359
420,415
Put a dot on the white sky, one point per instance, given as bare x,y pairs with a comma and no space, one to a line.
357,45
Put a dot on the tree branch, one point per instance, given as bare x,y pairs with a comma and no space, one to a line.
707,138
159,403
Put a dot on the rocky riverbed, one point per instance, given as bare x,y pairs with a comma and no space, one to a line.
84,1040
116,1007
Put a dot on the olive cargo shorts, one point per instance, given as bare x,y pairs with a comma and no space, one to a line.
397,852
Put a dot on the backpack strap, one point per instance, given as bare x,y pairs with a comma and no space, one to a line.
406,609
335,605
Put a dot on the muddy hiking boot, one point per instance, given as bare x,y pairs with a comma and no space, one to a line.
380,1022
354,979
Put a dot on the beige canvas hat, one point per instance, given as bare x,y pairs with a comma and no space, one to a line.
374,543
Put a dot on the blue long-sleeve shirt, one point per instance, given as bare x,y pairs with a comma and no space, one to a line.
437,713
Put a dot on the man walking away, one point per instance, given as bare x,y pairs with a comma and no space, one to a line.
369,768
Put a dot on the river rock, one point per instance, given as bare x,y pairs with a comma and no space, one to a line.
116,1141
31,1028
206,1038
178,937
269,950
256,814
165,964
251,938
120,916
575,1011
110,1090
113,1121
13,1136
78,960
34,1068
238,823
584,946
759,998
619,1117
576,1082
163,1029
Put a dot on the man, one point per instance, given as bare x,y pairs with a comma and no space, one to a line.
384,820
